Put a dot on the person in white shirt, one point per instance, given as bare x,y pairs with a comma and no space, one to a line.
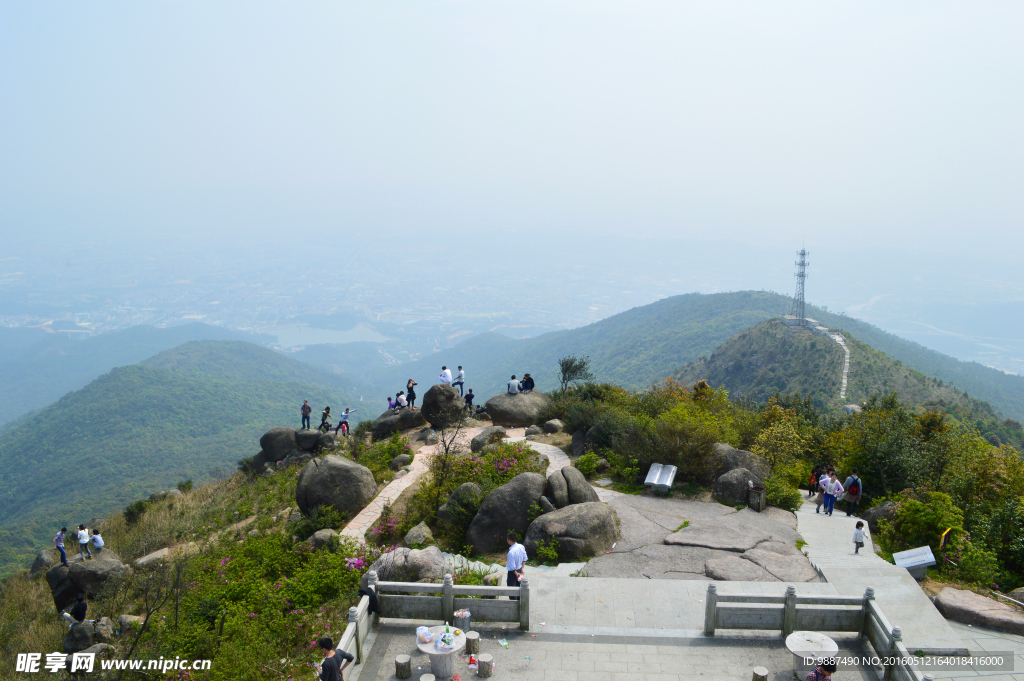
858,537
83,541
97,541
516,564
513,386
460,381
446,375
833,488
820,501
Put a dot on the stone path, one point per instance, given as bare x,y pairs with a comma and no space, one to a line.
846,363
356,529
830,548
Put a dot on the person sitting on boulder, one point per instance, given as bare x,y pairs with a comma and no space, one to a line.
400,400
97,541
513,386
325,420
77,615
528,383
469,397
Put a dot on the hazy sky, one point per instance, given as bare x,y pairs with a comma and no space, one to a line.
846,124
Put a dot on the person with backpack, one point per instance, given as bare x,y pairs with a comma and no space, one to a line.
854,490
306,411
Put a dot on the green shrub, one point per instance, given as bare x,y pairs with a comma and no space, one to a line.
321,518
920,522
248,465
377,456
971,563
587,463
781,494
185,486
133,511
547,552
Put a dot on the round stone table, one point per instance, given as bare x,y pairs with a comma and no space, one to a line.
442,662
809,644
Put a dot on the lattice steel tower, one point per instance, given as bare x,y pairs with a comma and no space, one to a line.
801,275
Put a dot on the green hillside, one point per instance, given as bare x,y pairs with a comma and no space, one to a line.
770,357
641,346
37,368
190,412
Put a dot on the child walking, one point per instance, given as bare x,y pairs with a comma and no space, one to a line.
858,537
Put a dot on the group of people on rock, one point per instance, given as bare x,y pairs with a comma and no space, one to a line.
523,386
823,480
86,542
325,419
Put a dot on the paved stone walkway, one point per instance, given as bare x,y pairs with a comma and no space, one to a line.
356,529
830,548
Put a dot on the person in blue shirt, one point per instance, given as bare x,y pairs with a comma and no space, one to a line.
516,564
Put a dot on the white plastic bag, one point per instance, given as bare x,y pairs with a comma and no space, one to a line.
423,635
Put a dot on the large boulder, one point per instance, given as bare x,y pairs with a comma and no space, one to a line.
389,423
409,565
322,538
557,490
517,410
308,439
278,442
884,511
733,488
970,608
44,559
334,481
327,440
717,534
462,505
554,426
126,622
486,437
103,630
580,491
725,458
505,509
400,460
545,505
783,562
582,531
439,402
79,637
419,536
534,430
94,578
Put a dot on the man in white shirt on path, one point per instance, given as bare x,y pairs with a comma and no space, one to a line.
460,381
513,386
516,564
446,375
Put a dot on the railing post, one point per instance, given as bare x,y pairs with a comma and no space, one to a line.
371,582
894,642
353,619
710,608
789,616
448,600
524,604
865,611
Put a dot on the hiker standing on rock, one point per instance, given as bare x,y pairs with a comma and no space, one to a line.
343,423
83,542
516,564
58,543
460,381
469,400
854,490
306,411
411,393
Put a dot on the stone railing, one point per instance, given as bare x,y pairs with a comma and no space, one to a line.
440,601
791,613
359,622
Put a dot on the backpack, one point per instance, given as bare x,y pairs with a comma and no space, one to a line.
854,490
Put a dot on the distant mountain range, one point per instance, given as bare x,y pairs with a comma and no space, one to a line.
188,412
37,368
641,346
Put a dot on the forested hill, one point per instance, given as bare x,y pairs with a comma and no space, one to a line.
37,368
771,357
186,413
644,345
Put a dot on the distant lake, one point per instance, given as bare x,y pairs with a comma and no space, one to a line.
308,335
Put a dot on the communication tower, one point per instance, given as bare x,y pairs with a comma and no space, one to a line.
801,275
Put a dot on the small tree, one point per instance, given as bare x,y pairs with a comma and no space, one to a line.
450,425
574,369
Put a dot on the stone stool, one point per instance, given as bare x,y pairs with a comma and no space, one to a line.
473,642
485,665
760,674
403,666
427,677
